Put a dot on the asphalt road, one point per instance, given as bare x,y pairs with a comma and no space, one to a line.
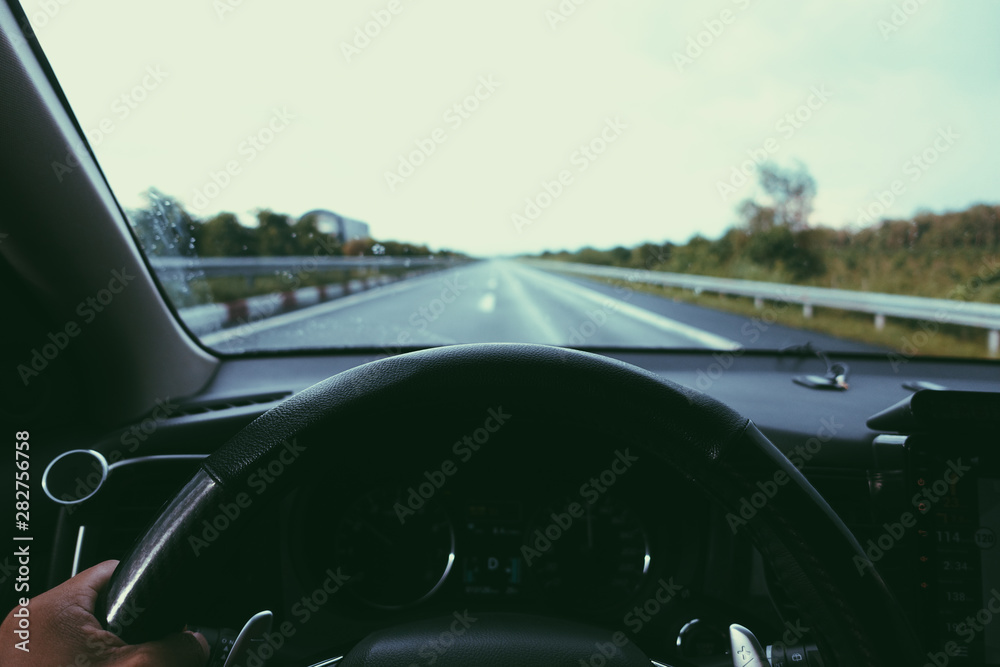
506,301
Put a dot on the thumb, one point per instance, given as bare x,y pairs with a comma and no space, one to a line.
181,649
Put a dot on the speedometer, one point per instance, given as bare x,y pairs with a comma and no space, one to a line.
395,561
587,555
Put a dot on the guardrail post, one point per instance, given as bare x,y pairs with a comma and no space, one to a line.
758,302
993,342
879,321
807,310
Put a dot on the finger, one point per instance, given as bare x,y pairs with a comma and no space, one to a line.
89,583
70,608
181,649
201,640
79,594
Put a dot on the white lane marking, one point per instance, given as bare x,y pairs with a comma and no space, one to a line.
285,319
487,303
520,296
708,339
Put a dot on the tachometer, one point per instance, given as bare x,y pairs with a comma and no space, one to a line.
394,561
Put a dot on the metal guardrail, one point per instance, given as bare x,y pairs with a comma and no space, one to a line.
941,311
183,268
210,318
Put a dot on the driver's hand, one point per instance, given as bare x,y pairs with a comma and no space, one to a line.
64,633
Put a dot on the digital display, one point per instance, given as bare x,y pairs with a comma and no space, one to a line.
957,498
985,539
491,564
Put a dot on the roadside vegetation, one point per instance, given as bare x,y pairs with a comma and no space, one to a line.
165,229
951,255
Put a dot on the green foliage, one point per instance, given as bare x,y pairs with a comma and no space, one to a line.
274,235
164,228
952,255
308,238
930,255
792,190
781,248
224,236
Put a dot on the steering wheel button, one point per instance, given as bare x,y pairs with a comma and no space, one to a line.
795,656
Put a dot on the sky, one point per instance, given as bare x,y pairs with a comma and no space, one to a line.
530,125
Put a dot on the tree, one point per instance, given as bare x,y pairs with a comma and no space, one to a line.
224,236
792,190
778,235
757,218
274,234
163,227
357,247
309,240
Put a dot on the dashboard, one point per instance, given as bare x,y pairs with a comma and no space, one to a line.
480,516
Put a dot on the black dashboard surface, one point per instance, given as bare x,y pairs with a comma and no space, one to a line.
650,555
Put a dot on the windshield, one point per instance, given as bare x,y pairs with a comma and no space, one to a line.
637,174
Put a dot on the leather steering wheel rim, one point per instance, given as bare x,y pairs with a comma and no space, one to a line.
853,617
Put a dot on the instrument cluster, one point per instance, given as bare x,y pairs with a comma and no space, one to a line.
402,550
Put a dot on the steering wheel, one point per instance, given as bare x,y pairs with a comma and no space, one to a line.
854,618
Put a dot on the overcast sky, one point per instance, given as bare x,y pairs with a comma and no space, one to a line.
673,118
